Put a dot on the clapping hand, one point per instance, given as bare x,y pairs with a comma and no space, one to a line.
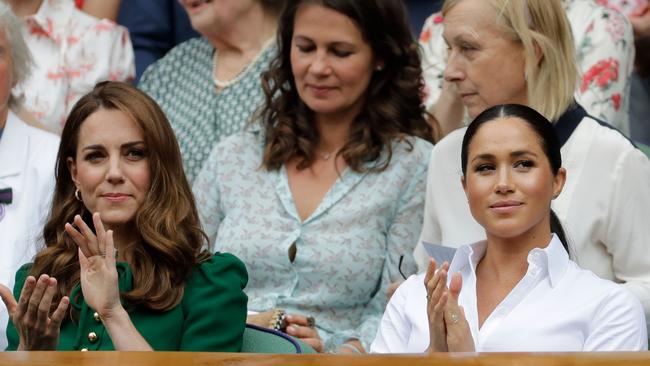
98,273
37,328
448,328
459,335
435,283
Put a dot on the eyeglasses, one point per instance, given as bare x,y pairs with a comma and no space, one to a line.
399,266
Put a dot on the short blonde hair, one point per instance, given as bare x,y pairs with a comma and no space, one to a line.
545,33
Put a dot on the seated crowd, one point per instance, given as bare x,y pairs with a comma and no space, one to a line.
308,167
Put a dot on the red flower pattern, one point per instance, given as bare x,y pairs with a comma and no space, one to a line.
425,35
603,73
95,50
616,101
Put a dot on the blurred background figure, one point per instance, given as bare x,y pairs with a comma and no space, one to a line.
102,9
72,52
209,87
419,11
604,46
155,28
27,157
640,99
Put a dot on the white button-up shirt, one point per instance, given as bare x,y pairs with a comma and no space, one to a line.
27,160
556,307
604,205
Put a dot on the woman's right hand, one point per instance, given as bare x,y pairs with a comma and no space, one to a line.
37,329
435,283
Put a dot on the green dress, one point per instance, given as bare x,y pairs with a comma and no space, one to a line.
211,316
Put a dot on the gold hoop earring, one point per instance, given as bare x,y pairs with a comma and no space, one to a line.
77,195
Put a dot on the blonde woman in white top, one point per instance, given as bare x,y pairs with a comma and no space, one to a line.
522,52
517,290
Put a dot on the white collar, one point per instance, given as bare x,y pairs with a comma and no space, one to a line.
52,17
553,258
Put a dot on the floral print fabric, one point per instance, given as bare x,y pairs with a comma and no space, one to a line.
72,52
347,251
605,51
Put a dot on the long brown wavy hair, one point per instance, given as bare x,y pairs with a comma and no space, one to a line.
393,106
172,242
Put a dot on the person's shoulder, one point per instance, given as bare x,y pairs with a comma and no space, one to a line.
596,289
192,45
223,269
431,28
41,143
190,48
591,14
448,148
21,275
182,54
409,290
611,300
605,137
246,140
412,147
83,21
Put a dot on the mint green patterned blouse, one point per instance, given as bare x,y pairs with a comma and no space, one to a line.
182,84
346,253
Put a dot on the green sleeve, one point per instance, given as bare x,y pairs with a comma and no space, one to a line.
215,306
12,334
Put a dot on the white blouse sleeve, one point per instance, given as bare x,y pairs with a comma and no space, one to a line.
395,328
619,325
627,232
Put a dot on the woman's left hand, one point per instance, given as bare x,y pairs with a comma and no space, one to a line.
299,326
459,335
97,260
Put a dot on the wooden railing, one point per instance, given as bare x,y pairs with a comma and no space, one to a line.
244,359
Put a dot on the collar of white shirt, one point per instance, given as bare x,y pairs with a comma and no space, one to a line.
554,258
52,17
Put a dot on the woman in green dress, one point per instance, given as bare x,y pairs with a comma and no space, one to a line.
125,264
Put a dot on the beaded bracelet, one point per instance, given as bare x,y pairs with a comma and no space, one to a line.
278,321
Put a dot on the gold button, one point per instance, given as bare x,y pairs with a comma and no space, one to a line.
84,350
96,317
92,337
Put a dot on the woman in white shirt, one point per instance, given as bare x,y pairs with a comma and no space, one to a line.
522,52
517,290
27,159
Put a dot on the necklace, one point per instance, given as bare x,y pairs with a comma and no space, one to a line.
221,84
327,155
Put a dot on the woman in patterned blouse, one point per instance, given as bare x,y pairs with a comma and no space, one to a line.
209,87
321,202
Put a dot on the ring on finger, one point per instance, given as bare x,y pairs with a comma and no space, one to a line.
311,322
454,318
